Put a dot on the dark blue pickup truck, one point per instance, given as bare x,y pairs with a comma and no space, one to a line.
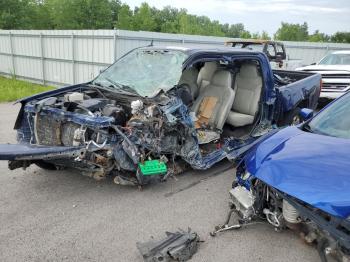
158,110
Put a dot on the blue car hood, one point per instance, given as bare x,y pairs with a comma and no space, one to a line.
310,167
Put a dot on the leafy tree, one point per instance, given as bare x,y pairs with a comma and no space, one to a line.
319,37
292,32
94,14
341,37
233,30
245,34
265,36
13,14
255,35
144,18
80,14
40,16
115,6
125,19
106,14
167,20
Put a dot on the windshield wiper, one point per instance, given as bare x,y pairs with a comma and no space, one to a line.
121,86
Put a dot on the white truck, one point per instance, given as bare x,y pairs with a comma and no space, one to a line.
335,71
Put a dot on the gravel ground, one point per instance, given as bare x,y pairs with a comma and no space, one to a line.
63,216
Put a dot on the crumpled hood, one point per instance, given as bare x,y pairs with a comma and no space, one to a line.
313,168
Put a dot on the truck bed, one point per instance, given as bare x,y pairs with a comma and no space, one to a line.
297,89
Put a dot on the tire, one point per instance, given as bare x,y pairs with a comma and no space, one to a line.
291,118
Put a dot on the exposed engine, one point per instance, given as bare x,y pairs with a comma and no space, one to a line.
49,130
260,202
117,133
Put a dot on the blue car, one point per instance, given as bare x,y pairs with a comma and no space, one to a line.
299,178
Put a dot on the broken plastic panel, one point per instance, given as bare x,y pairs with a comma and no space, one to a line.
178,246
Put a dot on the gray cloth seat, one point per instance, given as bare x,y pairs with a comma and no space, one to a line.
206,74
189,77
248,85
220,89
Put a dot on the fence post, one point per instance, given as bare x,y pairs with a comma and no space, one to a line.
115,45
73,58
42,58
12,56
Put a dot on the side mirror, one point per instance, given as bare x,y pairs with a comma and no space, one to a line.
306,113
313,64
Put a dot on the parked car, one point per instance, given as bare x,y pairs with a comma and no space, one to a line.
335,71
158,110
298,178
275,51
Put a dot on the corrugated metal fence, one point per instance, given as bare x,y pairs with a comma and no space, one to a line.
62,57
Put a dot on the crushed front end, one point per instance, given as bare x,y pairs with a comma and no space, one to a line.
138,140
254,201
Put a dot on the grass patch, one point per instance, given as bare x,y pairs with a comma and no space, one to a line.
12,89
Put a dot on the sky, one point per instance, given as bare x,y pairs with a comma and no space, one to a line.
257,15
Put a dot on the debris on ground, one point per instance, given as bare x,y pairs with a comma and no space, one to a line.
178,246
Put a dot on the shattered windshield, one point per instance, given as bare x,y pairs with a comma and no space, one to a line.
334,120
144,71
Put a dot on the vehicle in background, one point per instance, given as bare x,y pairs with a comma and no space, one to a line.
298,178
335,71
275,51
158,110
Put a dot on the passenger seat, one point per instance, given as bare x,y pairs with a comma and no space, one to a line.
215,101
206,74
189,77
247,88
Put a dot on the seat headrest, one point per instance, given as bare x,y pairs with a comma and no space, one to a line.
222,78
249,70
189,75
210,66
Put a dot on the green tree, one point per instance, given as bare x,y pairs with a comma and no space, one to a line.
292,32
341,37
125,18
167,20
255,35
265,36
319,37
144,18
13,14
80,14
233,30
245,34
107,14
115,6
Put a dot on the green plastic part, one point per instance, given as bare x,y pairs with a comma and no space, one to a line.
153,167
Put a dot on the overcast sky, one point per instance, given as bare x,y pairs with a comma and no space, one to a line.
326,15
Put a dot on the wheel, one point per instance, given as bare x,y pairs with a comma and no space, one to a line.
291,118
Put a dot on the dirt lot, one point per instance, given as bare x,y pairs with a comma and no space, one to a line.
63,216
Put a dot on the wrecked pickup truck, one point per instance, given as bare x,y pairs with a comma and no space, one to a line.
157,111
298,179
